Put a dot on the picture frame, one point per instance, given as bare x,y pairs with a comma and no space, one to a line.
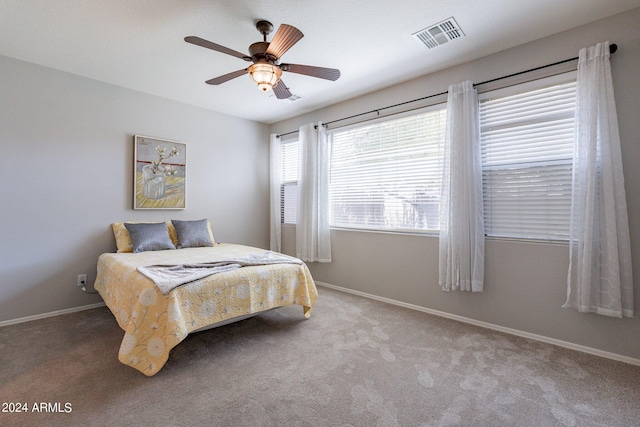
159,174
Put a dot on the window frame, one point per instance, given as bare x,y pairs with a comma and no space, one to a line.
521,88
285,181
438,106
515,88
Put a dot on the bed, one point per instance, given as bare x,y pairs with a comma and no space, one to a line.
156,320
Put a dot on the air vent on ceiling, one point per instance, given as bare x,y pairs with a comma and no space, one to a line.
439,33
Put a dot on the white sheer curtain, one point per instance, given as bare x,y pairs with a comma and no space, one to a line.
313,242
461,215
275,178
600,278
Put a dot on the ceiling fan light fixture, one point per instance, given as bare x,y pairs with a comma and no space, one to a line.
265,75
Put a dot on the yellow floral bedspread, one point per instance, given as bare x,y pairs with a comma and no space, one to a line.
155,323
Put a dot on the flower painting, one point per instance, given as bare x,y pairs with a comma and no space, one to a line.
160,174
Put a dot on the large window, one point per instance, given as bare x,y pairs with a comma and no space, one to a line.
527,147
387,175
289,186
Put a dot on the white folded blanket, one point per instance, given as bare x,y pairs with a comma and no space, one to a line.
169,277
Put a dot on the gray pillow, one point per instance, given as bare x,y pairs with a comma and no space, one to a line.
149,237
192,234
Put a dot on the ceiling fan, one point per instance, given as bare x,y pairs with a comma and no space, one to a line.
266,70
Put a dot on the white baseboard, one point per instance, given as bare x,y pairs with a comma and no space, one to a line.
50,314
559,343
486,325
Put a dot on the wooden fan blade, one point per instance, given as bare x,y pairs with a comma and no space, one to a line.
214,46
226,77
285,37
308,70
281,90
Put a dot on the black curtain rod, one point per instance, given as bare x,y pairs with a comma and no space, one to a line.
612,49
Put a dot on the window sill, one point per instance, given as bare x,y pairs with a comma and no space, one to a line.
522,240
436,235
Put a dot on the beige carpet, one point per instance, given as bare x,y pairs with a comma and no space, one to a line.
356,362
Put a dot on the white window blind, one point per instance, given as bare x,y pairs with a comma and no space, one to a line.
387,175
289,187
527,149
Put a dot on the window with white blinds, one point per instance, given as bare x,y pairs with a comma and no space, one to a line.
527,148
387,175
289,186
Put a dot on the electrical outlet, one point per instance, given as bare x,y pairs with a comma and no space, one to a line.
82,280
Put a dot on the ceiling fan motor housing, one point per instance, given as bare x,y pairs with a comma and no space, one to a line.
258,51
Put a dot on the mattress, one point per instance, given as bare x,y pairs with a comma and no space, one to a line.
155,323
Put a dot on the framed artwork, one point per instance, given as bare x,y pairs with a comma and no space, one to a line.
160,173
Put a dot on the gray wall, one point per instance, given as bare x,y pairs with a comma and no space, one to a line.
66,173
525,283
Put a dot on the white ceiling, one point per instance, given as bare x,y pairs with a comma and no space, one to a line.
139,44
